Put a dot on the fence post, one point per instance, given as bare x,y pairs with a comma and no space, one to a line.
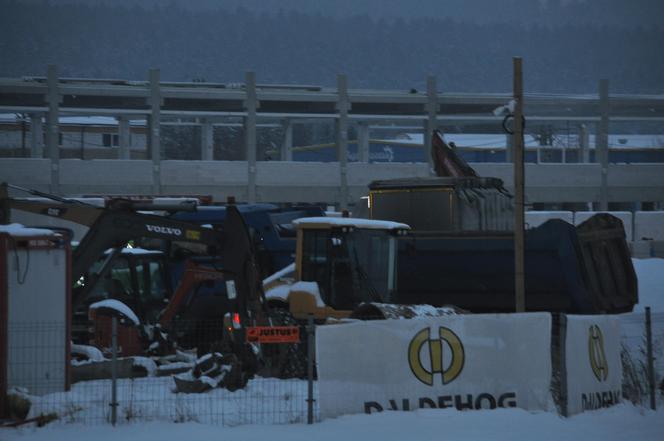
311,332
114,370
562,364
651,360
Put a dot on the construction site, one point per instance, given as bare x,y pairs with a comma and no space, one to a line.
277,288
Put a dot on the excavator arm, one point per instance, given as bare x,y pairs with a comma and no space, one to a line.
115,226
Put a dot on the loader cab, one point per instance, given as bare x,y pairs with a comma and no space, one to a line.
352,260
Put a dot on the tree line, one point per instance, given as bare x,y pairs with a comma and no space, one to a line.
124,40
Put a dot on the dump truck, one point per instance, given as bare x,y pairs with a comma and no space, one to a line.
363,268
448,241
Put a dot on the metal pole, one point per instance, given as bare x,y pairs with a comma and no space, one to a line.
562,365
519,189
651,360
311,332
114,370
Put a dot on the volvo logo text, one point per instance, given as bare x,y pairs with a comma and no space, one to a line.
164,230
437,364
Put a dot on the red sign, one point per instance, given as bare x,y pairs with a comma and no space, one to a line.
273,334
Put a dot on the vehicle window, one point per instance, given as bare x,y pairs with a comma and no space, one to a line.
116,284
150,281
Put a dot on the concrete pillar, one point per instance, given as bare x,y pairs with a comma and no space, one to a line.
207,140
430,124
287,146
363,141
584,144
602,143
343,105
36,136
250,105
53,98
124,136
154,133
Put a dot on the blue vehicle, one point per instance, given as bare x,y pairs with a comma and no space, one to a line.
270,227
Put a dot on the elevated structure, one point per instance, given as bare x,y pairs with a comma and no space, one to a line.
338,182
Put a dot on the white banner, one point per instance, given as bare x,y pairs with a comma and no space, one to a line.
463,362
594,369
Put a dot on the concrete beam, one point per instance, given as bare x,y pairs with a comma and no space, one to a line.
279,181
53,99
207,140
124,137
584,144
154,125
343,106
287,145
430,122
363,141
602,147
250,105
36,136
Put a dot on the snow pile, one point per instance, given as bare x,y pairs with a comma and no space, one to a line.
311,288
119,307
89,353
146,363
279,292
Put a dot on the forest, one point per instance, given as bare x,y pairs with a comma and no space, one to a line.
567,46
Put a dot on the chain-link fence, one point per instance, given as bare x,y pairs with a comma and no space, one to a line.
643,357
152,380
163,383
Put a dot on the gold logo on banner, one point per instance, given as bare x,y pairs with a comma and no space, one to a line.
596,353
436,362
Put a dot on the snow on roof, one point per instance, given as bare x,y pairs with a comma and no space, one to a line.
119,307
135,251
18,230
77,120
369,224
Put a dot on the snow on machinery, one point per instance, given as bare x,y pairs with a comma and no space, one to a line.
110,229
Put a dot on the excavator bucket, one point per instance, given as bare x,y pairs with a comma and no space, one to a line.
446,161
238,258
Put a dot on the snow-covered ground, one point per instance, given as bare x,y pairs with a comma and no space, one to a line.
623,422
